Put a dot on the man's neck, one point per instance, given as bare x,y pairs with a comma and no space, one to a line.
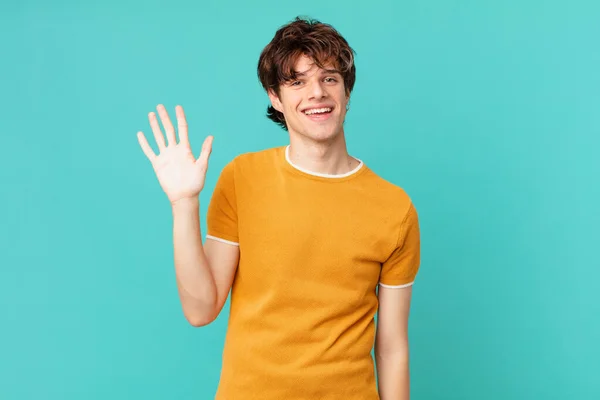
330,158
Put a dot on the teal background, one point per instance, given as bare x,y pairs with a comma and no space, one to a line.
487,113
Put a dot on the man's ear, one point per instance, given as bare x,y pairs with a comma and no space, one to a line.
275,101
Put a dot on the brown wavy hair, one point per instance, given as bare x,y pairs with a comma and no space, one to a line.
309,37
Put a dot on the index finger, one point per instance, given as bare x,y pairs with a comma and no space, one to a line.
182,125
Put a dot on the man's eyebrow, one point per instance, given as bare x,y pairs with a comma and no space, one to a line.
323,72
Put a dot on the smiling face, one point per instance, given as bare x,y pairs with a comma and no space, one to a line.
314,103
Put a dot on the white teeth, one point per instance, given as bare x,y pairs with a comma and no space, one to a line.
317,111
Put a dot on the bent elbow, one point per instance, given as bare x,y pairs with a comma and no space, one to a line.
198,321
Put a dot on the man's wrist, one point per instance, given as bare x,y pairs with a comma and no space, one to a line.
186,203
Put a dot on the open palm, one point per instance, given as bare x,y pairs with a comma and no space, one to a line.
179,173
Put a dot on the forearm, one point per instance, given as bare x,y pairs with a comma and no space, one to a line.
195,283
393,374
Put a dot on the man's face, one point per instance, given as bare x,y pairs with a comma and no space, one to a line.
314,105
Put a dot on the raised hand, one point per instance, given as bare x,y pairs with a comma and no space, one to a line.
179,173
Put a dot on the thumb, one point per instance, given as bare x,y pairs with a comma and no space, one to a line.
205,153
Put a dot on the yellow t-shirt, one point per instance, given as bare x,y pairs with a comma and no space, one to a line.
313,249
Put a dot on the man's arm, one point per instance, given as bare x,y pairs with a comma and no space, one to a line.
204,273
391,343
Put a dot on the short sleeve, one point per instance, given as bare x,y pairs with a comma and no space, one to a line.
401,268
221,218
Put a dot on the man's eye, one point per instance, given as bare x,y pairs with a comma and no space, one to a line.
296,83
330,79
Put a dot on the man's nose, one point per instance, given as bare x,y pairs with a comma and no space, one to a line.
316,90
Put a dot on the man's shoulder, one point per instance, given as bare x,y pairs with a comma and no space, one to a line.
257,158
386,188
253,165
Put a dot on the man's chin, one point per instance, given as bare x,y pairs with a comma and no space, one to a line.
324,136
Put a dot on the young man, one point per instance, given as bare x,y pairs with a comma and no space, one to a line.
311,242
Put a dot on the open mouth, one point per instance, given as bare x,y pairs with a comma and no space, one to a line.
318,114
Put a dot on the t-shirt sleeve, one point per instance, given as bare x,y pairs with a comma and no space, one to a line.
401,268
221,218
